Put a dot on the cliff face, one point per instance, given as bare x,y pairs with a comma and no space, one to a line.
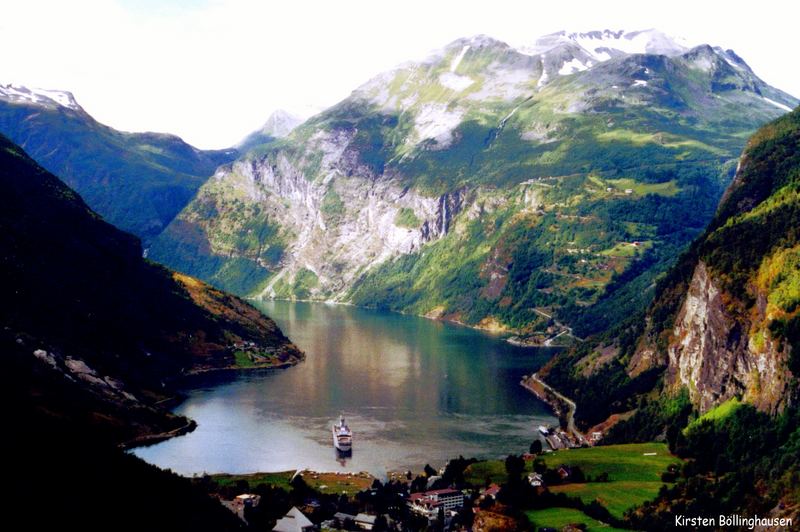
725,322
308,238
717,354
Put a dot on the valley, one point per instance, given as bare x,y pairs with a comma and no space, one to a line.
550,285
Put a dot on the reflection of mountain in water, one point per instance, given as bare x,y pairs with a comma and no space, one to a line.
385,370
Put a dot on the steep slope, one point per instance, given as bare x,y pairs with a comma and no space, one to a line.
78,295
714,365
724,323
92,339
137,181
734,330
486,185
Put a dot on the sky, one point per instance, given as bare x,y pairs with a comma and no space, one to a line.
211,71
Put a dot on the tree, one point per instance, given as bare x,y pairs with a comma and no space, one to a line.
536,446
381,524
418,484
515,466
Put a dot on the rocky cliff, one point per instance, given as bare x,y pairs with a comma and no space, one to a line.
714,355
734,331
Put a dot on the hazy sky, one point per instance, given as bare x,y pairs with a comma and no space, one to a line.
212,70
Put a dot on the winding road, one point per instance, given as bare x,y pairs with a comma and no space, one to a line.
571,428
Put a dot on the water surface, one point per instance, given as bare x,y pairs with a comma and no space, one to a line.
414,391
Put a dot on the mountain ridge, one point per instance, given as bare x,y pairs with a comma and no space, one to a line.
138,181
471,156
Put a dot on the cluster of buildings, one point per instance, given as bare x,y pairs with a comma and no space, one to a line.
430,503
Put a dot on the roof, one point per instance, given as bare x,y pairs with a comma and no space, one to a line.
433,493
341,516
293,521
366,518
446,491
492,490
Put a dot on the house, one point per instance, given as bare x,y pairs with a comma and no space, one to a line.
491,492
536,480
596,436
247,500
564,472
293,521
429,503
365,521
628,191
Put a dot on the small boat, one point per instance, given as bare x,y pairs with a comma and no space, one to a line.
342,436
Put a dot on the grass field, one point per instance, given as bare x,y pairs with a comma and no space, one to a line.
667,188
558,518
243,360
279,480
334,483
337,483
626,249
494,470
634,473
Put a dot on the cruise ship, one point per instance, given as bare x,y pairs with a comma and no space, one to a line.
342,436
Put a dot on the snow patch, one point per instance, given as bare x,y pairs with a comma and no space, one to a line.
18,93
572,66
435,121
542,79
455,82
777,104
458,58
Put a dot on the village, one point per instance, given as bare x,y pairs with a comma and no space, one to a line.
453,497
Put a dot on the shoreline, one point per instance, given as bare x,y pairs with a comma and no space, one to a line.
561,405
512,335
168,403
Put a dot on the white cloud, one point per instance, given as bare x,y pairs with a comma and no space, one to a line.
211,71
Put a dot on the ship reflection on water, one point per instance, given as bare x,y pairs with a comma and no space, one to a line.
343,456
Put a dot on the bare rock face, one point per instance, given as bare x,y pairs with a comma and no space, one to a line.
712,353
341,223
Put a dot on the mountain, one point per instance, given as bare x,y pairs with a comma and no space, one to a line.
713,365
137,181
726,322
486,184
81,300
94,340
279,124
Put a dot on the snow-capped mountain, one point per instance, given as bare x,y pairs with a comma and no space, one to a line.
137,181
484,159
19,94
605,44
